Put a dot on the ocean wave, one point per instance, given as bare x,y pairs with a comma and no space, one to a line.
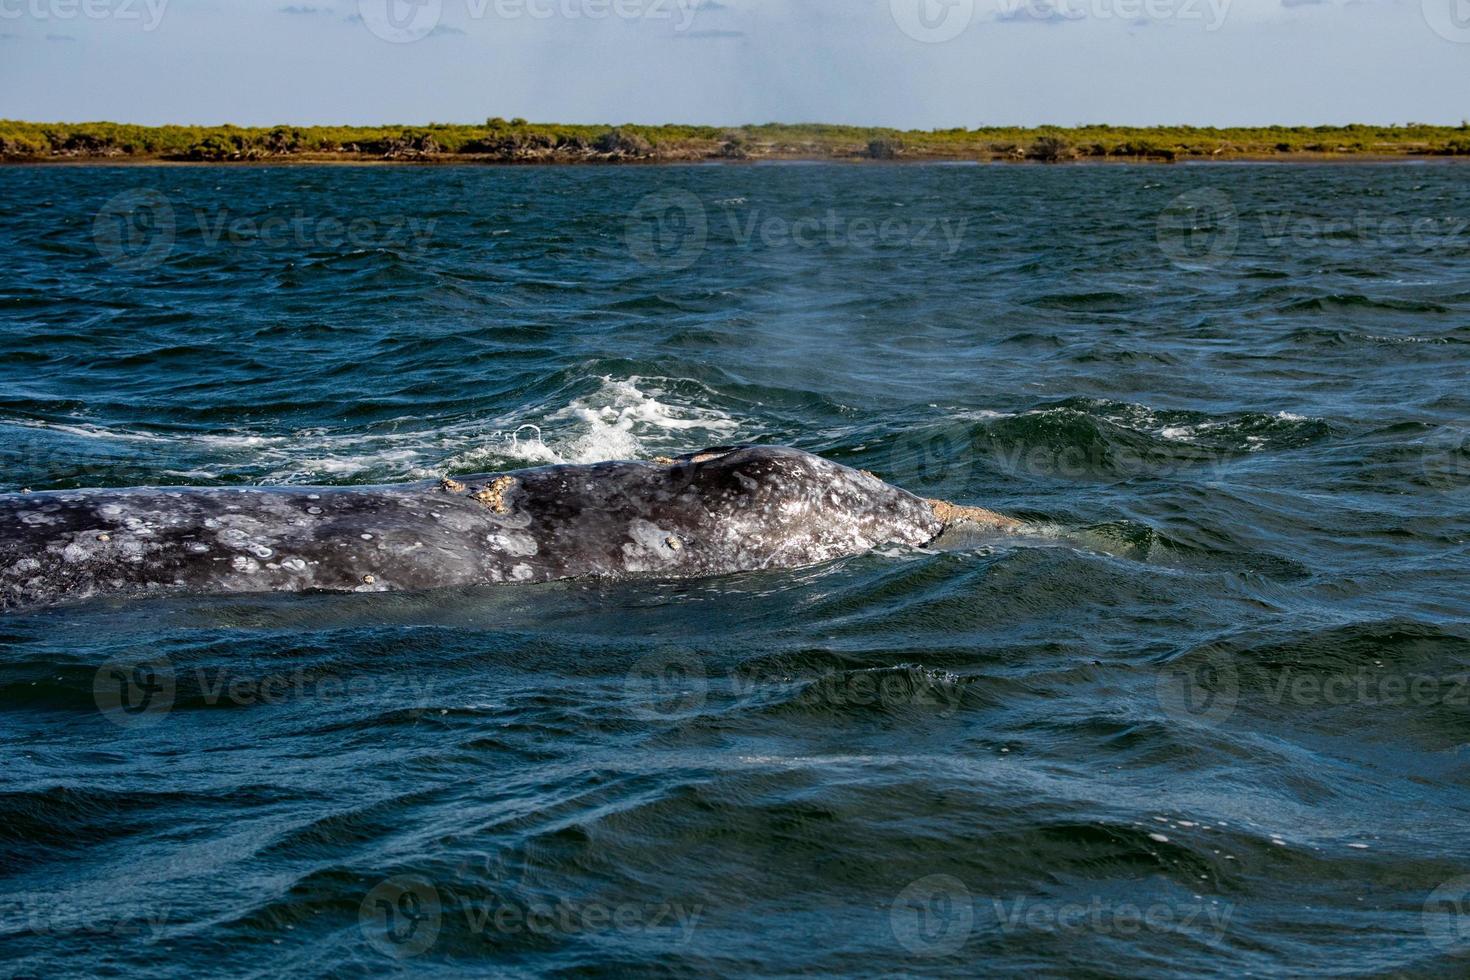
1081,440
621,418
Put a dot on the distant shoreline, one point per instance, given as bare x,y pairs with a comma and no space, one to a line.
1301,159
521,143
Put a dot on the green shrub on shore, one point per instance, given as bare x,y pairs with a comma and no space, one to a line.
735,145
1051,149
884,149
497,139
215,147
623,143
1148,149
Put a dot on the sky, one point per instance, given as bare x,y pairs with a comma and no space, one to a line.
917,64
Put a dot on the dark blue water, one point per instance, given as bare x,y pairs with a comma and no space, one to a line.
1211,717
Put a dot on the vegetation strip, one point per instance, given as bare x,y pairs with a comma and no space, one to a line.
518,141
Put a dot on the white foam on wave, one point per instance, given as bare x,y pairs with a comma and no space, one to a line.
620,416
631,418
1147,421
1189,433
977,414
86,430
624,418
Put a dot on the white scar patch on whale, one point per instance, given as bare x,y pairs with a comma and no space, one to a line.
514,543
651,548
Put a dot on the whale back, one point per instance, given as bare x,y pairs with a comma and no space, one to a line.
724,510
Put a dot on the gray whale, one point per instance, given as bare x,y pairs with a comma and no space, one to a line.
724,510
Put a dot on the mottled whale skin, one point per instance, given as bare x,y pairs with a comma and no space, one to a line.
725,510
